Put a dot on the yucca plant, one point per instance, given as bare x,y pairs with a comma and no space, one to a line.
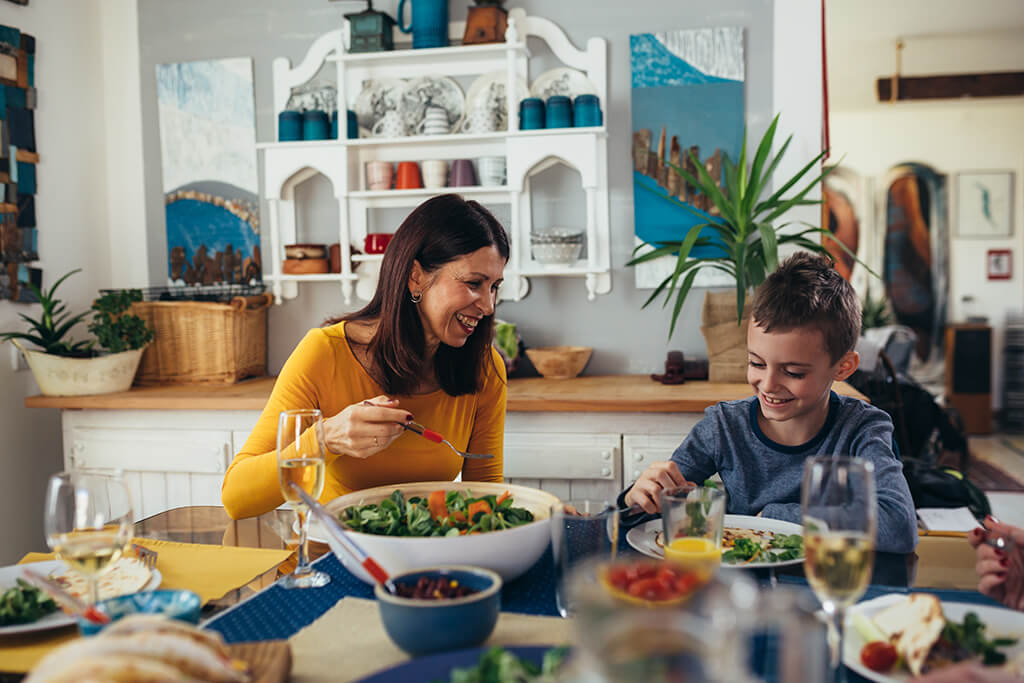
54,323
746,235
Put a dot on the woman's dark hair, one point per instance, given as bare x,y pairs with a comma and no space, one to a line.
437,232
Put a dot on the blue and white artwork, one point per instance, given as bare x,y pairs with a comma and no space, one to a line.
687,94
210,185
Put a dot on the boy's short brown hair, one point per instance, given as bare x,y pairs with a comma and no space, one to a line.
806,290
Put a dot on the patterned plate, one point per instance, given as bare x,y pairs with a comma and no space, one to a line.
488,92
377,97
562,81
432,91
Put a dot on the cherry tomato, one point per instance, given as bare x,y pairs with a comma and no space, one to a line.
879,656
619,577
685,584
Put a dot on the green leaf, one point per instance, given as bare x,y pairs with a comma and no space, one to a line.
681,297
770,246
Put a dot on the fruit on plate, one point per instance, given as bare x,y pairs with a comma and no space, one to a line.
650,584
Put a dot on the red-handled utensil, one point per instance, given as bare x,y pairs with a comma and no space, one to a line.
57,592
431,435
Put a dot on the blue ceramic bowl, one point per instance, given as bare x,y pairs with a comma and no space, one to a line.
423,626
183,605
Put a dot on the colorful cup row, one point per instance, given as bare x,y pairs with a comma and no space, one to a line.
313,124
435,173
560,112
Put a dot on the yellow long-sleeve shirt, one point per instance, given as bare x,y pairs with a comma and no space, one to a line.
322,372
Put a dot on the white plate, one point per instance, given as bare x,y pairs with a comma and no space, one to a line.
642,537
377,97
488,92
999,622
431,91
562,81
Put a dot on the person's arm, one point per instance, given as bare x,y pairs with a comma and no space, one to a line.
897,517
489,426
251,485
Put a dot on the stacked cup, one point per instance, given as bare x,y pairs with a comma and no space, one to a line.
434,122
586,111
559,112
492,170
435,173
531,113
557,246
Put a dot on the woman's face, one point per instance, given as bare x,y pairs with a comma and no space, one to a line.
457,295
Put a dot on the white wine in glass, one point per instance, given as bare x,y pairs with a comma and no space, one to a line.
839,516
88,521
301,460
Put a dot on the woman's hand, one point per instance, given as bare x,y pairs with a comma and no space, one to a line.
365,429
1001,574
646,492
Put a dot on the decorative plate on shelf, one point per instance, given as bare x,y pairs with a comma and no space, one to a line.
432,91
488,92
379,95
562,81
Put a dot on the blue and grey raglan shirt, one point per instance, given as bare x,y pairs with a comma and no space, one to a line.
763,476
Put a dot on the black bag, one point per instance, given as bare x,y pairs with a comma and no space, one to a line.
935,487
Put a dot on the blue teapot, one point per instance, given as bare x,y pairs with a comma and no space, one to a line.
429,25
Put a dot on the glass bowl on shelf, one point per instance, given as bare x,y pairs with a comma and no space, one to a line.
557,246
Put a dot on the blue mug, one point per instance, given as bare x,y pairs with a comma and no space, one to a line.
586,111
315,125
531,113
559,112
429,26
289,126
353,125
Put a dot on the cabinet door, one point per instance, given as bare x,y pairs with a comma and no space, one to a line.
640,450
570,466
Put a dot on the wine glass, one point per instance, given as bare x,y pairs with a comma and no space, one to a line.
301,460
88,522
839,517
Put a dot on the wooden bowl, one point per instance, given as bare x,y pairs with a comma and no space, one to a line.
559,362
304,266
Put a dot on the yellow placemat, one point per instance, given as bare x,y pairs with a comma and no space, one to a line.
211,571
317,657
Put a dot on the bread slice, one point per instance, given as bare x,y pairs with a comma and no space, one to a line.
913,626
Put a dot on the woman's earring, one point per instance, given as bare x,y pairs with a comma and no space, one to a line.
417,297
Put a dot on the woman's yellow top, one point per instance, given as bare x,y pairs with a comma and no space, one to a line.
322,372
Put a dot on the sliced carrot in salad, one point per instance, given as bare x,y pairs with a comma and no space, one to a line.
436,505
478,506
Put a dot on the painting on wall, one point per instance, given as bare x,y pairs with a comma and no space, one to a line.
687,96
984,204
18,161
210,185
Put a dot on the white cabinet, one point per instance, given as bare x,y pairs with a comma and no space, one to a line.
527,153
567,465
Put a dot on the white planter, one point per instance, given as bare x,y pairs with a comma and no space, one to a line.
61,376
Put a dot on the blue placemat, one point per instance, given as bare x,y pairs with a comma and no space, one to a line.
276,612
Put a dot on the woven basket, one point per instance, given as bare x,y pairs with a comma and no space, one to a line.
199,342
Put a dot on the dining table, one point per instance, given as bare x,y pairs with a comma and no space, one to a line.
262,610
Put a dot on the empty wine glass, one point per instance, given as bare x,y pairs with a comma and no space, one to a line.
839,516
301,461
88,522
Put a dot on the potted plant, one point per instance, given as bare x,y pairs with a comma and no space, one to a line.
63,367
745,245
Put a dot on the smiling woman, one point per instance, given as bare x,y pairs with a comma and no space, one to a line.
421,349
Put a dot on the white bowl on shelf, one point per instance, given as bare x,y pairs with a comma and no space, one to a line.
557,253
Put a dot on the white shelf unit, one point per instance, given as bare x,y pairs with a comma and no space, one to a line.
527,152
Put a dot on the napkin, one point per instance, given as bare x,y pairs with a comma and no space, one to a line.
316,655
211,571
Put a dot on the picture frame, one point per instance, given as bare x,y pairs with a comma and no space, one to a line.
999,264
984,204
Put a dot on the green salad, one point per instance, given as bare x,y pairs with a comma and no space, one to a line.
782,547
23,604
451,513
497,665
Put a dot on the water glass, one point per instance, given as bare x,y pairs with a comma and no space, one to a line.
582,531
301,460
693,519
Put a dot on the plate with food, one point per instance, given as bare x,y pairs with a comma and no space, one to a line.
750,542
23,607
501,527
898,637
127,575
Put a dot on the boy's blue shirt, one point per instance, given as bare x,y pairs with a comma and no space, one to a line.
763,476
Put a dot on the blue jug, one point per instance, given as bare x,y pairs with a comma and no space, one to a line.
429,25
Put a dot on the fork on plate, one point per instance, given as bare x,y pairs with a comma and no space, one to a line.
145,555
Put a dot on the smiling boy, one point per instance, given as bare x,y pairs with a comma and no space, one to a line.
805,321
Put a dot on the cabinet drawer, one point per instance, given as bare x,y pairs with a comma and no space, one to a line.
640,450
562,456
146,450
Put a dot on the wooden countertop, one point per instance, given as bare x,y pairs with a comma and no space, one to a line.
612,393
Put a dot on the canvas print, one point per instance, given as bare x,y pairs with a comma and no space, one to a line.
984,206
687,95
207,146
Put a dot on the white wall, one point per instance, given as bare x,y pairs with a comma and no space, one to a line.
71,215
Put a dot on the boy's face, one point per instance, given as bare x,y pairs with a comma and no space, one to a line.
792,372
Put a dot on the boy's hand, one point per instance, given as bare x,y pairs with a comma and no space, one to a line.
646,492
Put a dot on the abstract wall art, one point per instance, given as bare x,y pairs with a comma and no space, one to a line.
984,204
207,147
687,95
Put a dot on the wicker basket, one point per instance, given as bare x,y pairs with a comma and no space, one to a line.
199,342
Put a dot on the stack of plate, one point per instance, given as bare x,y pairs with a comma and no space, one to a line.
557,246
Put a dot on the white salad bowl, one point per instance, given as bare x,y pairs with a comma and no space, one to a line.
509,552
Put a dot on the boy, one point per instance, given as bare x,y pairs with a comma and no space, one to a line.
805,321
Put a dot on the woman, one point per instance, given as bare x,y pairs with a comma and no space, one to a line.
421,349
